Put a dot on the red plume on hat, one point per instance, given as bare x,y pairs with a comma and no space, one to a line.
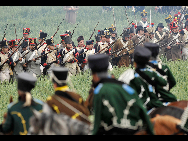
173,25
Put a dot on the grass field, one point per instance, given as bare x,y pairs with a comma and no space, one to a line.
81,84
47,18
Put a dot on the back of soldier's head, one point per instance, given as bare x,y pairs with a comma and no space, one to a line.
153,47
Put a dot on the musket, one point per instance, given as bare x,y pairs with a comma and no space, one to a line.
114,19
19,44
57,28
134,15
150,17
4,32
15,31
126,15
41,56
93,31
74,29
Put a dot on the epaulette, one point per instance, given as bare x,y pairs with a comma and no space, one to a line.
38,101
128,89
98,88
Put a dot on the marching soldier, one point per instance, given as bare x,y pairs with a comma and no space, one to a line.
64,100
173,49
42,45
69,55
143,22
113,32
139,38
159,34
31,63
26,32
122,57
20,112
84,53
98,39
17,60
117,109
48,60
151,31
163,92
4,69
102,44
143,80
81,45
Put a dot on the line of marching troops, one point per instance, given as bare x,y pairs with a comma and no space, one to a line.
119,106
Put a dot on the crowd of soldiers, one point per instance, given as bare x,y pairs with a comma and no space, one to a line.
119,106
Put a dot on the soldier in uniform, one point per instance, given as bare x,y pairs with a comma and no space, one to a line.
117,109
17,60
102,44
26,32
141,79
98,39
159,33
84,53
4,55
113,32
143,22
64,100
48,61
122,57
71,13
81,45
20,112
42,45
69,55
163,92
139,38
151,31
31,63
173,49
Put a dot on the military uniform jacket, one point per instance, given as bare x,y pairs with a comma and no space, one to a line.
123,59
164,92
139,40
159,35
41,48
33,67
71,98
175,51
117,105
48,58
145,91
84,55
3,59
18,68
18,117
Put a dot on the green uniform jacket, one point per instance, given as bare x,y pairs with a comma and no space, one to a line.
18,117
117,105
145,91
164,92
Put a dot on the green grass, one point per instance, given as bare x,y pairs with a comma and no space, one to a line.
47,18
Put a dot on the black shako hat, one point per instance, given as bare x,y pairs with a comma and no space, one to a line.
98,62
26,82
141,55
153,47
59,74
89,42
68,39
50,42
42,35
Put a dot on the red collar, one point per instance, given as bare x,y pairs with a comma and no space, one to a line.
186,29
68,49
83,46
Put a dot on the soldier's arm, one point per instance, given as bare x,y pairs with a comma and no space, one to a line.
159,79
